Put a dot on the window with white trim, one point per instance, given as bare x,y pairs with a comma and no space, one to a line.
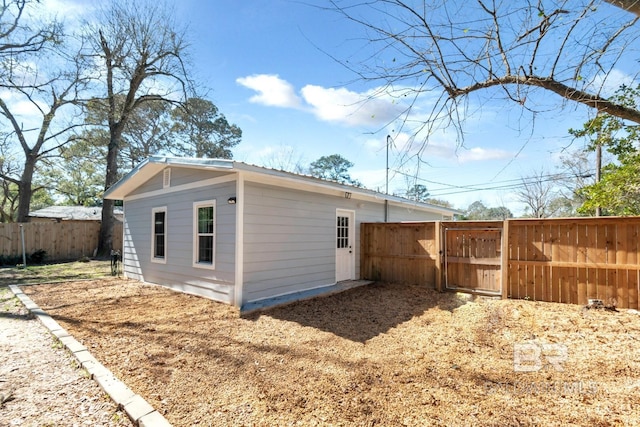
159,234
204,234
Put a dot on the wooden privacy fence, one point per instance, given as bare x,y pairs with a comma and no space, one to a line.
567,260
65,240
399,252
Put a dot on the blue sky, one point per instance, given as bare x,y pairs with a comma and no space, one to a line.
267,65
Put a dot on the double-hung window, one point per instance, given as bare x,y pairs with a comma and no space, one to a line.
159,234
204,234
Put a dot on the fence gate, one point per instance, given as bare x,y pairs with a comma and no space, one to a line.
472,261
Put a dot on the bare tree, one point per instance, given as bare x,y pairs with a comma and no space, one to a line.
577,170
445,51
538,193
38,72
285,158
8,189
45,138
141,53
18,38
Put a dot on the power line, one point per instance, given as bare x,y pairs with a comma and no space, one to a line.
451,189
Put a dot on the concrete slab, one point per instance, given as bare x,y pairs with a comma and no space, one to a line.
84,356
32,307
322,291
16,290
154,419
72,344
137,408
117,390
96,369
48,321
59,333
37,311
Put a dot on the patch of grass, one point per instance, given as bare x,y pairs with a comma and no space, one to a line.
8,301
57,344
50,273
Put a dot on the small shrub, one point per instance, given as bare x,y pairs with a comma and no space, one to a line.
10,260
38,256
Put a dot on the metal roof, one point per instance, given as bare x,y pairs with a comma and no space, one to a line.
154,165
77,213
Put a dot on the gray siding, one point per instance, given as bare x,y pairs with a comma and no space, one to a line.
288,241
178,272
289,237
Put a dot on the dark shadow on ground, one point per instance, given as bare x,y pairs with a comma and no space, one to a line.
19,316
363,313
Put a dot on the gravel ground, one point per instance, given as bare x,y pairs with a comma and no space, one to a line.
378,355
41,384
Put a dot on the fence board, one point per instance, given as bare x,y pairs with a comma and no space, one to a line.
568,260
62,241
400,252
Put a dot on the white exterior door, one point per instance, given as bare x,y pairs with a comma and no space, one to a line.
345,252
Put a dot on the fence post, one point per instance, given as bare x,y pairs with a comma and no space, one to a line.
24,250
438,255
363,255
504,260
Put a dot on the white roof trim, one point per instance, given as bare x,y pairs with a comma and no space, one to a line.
153,165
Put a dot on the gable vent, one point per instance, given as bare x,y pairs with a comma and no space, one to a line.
166,178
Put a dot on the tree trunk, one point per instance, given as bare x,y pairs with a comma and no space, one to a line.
24,189
105,241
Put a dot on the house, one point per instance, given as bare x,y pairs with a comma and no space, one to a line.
71,213
242,234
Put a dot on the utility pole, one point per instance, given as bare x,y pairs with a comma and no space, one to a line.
598,170
387,177
386,189
598,159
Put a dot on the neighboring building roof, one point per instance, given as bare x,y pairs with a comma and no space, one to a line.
153,165
73,213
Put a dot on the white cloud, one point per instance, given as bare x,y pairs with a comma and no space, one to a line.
71,12
443,145
272,90
327,104
611,82
350,108
373,108
22,108
371,178
478,154
66,8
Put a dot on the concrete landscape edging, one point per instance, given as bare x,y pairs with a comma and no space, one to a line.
136,407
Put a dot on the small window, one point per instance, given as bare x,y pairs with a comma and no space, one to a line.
159,234
204,239
342,231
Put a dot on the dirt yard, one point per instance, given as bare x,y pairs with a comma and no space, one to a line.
378,355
